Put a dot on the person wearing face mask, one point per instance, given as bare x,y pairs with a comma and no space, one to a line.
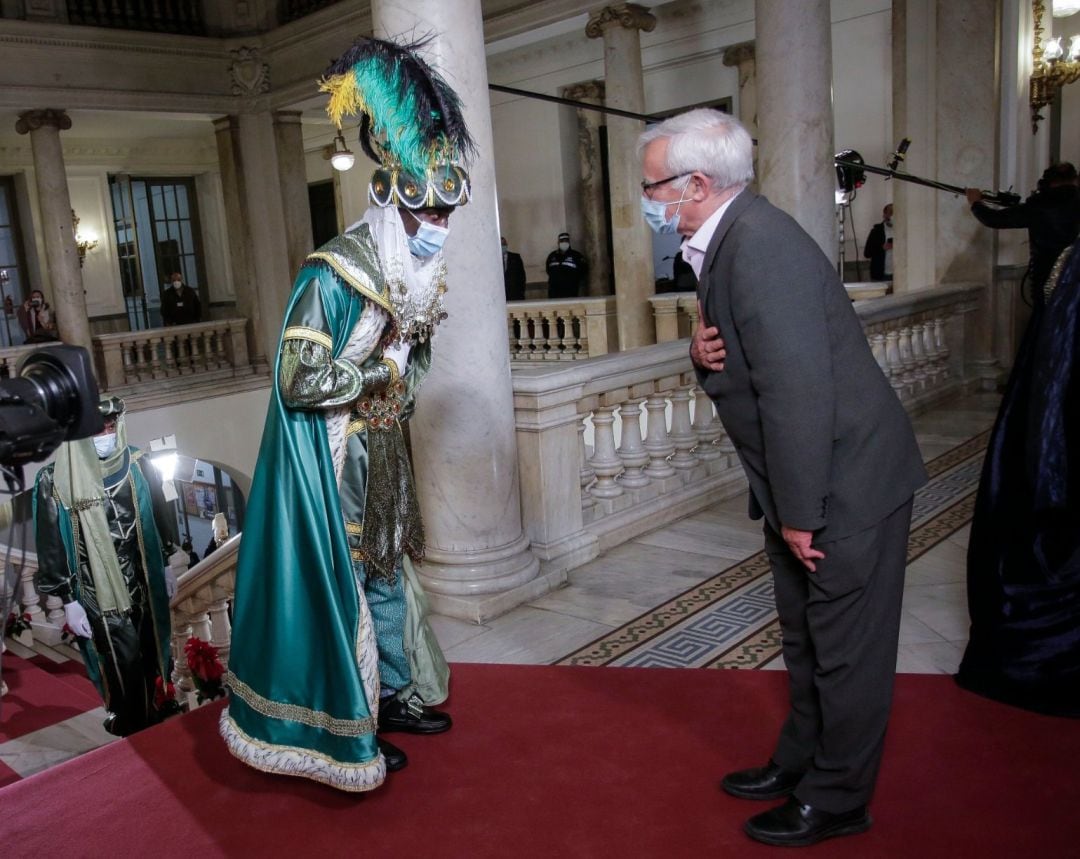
36,319
879,247
333,525
180,303
513,273
105,535
781,353
567,270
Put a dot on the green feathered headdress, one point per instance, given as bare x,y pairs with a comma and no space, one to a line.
411,121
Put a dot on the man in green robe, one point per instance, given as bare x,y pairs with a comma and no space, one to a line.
104,534
330,638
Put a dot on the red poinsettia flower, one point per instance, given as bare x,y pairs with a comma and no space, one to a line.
163,693
202,659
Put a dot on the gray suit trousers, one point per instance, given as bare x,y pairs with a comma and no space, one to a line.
841,627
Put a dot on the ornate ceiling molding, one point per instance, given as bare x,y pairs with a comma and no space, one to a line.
248,74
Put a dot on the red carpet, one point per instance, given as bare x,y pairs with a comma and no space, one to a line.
566,762
42,693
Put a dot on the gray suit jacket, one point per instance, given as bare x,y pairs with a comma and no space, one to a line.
824,440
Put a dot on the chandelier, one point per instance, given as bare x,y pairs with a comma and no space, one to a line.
1053,66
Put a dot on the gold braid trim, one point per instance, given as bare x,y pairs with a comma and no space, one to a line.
361,286
395,374
1055,273
301,332
355,427
353,528
296,713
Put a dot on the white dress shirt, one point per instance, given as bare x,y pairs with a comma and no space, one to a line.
695,247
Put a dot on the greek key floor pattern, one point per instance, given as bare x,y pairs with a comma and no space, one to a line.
729,620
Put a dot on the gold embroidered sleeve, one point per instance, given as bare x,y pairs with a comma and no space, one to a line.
311,379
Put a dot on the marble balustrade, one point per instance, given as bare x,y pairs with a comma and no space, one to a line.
204,350
200,608
561,329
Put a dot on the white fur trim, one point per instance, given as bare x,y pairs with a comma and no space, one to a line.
287,760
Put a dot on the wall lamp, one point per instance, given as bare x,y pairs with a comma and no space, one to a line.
1053,65
85,240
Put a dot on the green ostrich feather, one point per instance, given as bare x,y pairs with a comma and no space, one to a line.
393,114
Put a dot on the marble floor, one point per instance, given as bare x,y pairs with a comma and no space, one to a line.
631,579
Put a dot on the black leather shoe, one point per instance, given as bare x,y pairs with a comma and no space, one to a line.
767,782
794,824
395,757
411,716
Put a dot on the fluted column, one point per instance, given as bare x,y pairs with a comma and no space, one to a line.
478,561
620,25
65,273
239,240
795,124
292,174
593,201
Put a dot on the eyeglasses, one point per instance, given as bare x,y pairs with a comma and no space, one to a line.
648,187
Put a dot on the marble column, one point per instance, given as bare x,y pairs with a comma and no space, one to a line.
743,58
620,26
239,240
265,219
795,121
593,201
966,120
292,173
463,436
65,273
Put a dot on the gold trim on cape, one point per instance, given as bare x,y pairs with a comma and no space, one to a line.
296,713
302,332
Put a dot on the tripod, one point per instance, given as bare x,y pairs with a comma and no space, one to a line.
843,215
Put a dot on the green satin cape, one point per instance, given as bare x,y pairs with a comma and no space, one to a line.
295,681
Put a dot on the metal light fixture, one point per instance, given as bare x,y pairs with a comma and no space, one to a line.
1053,66
341,158
1065,8
85,240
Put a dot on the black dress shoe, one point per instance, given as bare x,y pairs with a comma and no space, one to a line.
794,824
395,757
767,782
411,716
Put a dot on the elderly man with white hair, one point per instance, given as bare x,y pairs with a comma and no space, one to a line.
830,456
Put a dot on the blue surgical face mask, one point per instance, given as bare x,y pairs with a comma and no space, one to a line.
105,444
429,238
654,212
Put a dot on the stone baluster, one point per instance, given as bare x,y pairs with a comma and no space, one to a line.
54,612
605,460
157,353
877,348
181,675
554,340
632,450
586,475
892,355
220,625
666,319
31,599
907,361
171,347
706,426
512,335
918,356
130,352
683,438
582,334
933,367
569,342
941,343
657,442
535,334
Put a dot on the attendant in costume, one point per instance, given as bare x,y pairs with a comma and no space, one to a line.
1023,573
331,640
104,535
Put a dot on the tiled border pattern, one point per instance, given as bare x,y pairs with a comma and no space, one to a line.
672,635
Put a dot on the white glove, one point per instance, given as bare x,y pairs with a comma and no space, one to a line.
77,621
170,582
399,354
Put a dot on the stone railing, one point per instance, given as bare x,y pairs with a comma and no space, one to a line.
206,350
581,498
201,608
561,329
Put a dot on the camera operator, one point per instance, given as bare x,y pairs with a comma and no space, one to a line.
1051,216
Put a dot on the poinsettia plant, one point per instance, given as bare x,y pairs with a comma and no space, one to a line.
16,624
164,693
206,669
